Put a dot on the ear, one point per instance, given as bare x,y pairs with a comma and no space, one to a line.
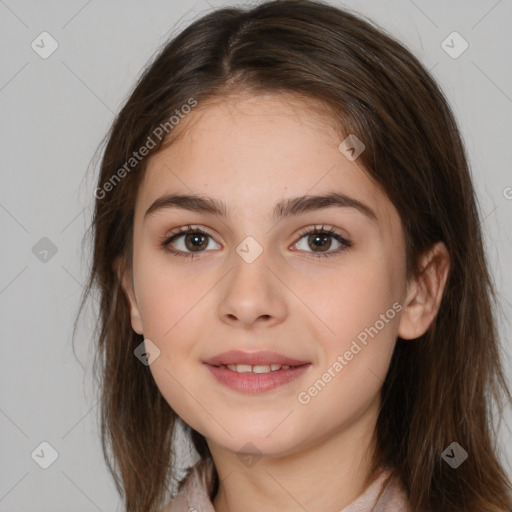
124,275
424,293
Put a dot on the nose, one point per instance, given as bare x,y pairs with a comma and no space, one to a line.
252,295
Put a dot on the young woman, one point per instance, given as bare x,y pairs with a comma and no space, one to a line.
289,258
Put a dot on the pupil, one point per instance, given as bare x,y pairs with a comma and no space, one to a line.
196,243
315,238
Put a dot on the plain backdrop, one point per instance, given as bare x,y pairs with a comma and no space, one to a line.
55,111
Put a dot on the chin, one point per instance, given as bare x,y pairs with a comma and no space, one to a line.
248,439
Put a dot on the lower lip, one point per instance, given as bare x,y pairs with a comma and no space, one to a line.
256,382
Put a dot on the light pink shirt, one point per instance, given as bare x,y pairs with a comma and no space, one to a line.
194,497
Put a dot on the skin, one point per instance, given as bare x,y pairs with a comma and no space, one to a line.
252,152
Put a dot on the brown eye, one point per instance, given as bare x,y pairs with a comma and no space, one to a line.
318,241
195,241
186,241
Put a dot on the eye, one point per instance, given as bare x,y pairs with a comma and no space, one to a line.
189,238
319,239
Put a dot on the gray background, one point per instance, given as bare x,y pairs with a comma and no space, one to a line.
54,113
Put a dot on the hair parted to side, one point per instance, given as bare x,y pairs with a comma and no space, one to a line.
440,387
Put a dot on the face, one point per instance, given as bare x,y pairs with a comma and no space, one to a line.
323,284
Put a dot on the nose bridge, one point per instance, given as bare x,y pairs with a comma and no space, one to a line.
251,290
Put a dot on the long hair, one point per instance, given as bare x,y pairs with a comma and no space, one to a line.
441,387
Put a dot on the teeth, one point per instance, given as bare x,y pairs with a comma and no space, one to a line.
259,368
263,368
243,368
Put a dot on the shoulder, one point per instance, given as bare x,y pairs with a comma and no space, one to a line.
386,493
193,490
167,508
393,494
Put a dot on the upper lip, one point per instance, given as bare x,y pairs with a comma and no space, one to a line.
253,358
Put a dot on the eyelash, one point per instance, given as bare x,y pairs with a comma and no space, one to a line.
165,243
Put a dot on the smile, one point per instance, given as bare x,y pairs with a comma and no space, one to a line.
259,368
254,379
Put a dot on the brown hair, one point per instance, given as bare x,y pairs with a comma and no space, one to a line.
440,387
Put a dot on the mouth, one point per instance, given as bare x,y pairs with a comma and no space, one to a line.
261,358
258,368
255,372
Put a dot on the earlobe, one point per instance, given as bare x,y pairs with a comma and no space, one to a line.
425,292
125,279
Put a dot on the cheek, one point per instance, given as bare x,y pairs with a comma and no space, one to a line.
166,296
354,298
169,303
358,308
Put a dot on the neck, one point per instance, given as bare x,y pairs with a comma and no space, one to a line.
324,477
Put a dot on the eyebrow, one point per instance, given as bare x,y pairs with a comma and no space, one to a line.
285,208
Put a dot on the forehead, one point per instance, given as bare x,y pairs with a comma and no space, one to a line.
252,151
